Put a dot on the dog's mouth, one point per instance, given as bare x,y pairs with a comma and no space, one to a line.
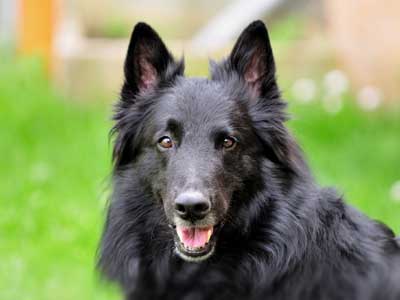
195,243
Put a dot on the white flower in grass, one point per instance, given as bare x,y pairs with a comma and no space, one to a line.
369,98
304,90
335,83
40,172
332,104
395,192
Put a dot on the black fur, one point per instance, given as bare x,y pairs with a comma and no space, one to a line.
280,235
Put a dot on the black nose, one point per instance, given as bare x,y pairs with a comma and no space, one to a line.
192,205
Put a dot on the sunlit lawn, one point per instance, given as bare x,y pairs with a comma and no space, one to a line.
56,162
54,168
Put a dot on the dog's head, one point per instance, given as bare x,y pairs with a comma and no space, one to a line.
197,143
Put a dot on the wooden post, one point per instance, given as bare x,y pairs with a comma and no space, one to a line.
36,25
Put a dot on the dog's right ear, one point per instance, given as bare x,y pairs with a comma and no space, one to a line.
148,66
146,61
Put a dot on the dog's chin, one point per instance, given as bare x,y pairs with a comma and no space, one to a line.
195,243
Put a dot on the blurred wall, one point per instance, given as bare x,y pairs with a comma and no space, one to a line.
366,38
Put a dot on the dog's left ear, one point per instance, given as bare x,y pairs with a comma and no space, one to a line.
252,58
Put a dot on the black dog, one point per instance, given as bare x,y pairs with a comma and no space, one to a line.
212,198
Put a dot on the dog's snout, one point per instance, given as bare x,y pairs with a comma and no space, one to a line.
192,205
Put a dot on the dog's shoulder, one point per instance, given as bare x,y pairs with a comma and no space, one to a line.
331,206
350,233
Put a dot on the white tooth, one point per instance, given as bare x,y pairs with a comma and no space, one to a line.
209,233
180,235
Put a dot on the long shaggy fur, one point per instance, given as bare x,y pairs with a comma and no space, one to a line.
283,236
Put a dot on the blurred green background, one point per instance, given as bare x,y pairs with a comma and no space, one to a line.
56,151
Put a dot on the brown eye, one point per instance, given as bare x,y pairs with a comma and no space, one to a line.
165,142
229,142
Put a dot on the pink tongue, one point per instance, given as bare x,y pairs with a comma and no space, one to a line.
194,237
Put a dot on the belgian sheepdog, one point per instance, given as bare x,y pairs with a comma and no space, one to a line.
212,198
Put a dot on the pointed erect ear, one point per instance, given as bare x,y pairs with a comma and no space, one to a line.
146,61
252,58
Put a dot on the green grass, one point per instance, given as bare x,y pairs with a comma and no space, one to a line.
56,161
53,174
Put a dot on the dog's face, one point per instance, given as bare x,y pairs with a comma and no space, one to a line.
192,141
202,150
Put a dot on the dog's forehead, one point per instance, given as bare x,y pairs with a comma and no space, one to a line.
199,100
